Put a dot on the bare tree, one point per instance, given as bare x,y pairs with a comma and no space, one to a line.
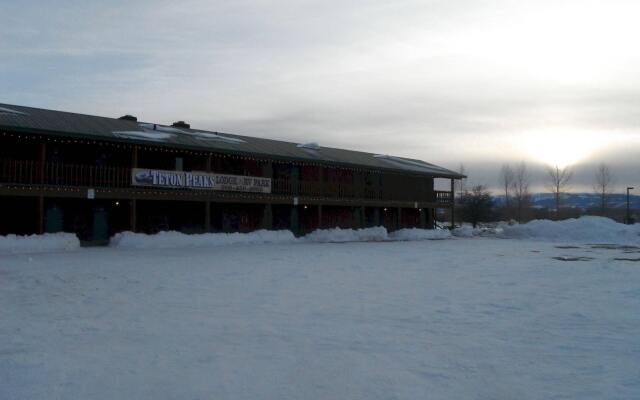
507,180
603,182
460,186
558,182
476,205
521,183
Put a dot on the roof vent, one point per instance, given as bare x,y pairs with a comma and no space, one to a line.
129,118
181,124
310,146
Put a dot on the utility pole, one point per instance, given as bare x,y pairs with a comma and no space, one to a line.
628,221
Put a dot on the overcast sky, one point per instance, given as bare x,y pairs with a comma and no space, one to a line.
449,82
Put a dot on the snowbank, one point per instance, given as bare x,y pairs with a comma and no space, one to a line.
174,239
335,235
338,235
419,234
375,234
465,231
584,229
14,244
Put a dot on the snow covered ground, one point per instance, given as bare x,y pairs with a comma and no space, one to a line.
461,318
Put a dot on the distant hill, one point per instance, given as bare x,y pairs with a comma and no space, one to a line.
578,200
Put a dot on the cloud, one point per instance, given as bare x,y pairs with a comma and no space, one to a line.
445,81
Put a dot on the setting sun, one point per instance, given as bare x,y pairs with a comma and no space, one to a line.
561,148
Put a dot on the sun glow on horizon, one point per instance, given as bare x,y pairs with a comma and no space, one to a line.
561,148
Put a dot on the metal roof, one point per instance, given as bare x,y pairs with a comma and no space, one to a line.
41,121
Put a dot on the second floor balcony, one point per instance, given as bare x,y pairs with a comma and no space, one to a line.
46,174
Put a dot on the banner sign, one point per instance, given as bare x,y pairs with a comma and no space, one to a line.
199,180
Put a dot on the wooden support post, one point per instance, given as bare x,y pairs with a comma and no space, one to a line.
267,170
207,216
320,216
207,204
40,225
133,216
267,217
208,165
43,159
134,157
355,218
430,217
321,184
423,217
295,220
295,180
376,216
453,204
399,218
133,213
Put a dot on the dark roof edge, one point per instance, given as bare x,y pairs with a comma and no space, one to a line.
88,136
448,174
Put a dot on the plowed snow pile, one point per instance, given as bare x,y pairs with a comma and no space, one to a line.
172,239
167,240
14,244
419,234
584,229
466,231
338,235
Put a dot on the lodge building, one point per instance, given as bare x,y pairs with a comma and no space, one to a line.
97,176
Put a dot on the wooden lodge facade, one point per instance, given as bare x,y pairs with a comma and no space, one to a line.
97,176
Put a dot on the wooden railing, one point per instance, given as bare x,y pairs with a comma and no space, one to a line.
26,172
443,197
349,191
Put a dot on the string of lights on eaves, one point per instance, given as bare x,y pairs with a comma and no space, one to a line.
178,151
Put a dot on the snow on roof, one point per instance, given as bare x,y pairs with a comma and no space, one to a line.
146,135
148,127
4,110
153,132
214,136
309,146
161,128
413,164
